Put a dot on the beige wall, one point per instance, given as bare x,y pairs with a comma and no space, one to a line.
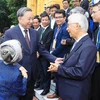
37,6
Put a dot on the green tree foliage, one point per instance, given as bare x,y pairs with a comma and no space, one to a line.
4,21
13,6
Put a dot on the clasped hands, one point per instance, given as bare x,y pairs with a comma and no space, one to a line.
54,66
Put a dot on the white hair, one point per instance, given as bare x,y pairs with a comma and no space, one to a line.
80,19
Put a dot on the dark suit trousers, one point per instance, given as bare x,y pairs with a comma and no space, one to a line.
96,84
40,75
47,77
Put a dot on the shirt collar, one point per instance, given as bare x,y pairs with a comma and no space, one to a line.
45,27
81,37
22,29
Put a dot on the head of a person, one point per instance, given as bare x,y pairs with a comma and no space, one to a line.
57,6
77,25
77,10
53,9
45,19
76,3
95,13
66,4
25,17
48,10
36,22
60,17
11,51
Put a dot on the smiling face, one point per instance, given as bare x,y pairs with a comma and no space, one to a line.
45,21
26,20
59,18
36,23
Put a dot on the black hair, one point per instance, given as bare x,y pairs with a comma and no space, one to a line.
61,11
37,17
67,1
44,14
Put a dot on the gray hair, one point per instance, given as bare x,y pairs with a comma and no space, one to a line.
22,11
79,10
80,19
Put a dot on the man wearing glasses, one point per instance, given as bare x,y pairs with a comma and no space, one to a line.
96,76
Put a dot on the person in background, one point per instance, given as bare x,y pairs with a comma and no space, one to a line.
57,48
48,10
13,81
95,5
37,27
45,39
53,9
76,3
37,24
66,4
75,73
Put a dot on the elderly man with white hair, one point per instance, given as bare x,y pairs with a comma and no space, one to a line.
76,70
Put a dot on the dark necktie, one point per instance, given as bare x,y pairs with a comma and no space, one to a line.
27,38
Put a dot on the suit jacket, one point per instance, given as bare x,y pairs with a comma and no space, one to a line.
67,14
40,30
12,83
47,38
29,59
60,49
76,71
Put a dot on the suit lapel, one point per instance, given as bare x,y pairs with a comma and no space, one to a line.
78,45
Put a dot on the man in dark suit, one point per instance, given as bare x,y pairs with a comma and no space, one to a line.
45,39
36,25
29,39
76,70
66,4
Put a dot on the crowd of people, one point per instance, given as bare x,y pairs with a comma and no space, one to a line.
59,44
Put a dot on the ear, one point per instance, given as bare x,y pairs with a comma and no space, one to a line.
19,18
78,26
65,18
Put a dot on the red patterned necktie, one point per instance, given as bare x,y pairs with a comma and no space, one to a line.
27,38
